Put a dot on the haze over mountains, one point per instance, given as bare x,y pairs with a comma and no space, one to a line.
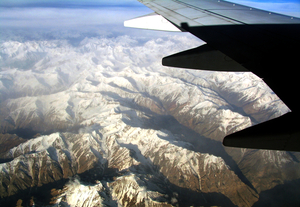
97,120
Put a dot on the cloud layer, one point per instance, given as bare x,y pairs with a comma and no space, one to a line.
66,17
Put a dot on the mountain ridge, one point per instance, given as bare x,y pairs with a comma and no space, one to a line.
134,131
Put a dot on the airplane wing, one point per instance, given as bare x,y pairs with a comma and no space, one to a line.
239,38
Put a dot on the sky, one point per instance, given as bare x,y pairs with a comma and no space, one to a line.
57,14
70,13
288,7
68,3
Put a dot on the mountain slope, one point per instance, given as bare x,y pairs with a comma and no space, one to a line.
133,131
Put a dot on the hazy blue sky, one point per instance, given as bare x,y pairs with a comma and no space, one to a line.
68,3
288,7
77,13
29,13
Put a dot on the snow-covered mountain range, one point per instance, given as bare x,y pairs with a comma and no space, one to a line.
103,123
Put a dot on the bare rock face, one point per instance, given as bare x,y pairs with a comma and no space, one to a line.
131,190
266,169
79,194
9,141
144,152
46,159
